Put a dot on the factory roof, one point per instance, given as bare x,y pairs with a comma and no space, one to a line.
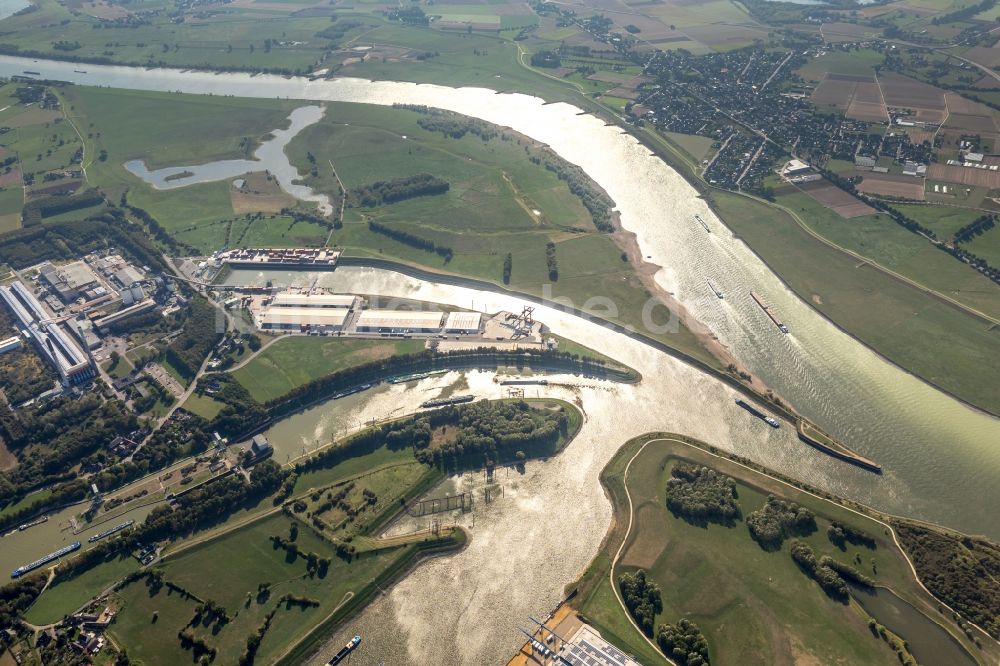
399,319
463,321
304,316
75,275
128,275
313,300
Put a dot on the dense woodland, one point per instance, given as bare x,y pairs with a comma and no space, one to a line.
480,434
642,598
201,332
684,643
61,434
962,572
777,520
701,495
69,240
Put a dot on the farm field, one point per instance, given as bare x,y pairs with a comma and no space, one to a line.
297,360
941,345
229,570
745,599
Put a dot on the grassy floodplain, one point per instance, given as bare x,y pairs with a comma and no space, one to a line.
297,360
746,600
924,335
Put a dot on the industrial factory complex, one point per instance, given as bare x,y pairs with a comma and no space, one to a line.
73,364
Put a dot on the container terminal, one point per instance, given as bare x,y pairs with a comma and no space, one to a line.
41,562
769,311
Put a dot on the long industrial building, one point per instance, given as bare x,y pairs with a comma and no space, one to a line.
71,362
305,257
325,320
290,300
399,321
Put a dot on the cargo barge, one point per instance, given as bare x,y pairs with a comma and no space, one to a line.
702,223
345,651
350,391
769,311
415,377
769,420
33,523
41,562
114,530
444,402
525,382
715,290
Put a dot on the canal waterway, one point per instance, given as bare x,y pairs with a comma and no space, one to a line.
270,156
940,457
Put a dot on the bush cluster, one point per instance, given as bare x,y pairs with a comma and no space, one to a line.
701,495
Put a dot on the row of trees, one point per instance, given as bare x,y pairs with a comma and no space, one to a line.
391,191
840,535
977,227
597,203
452,125
406,238
550,261
34,211
828,579
701,495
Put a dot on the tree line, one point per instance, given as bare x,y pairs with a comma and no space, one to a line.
406,238
399,189
550,261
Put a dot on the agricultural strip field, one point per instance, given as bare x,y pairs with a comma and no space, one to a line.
297,360
941,344
229,571
747,599
840,202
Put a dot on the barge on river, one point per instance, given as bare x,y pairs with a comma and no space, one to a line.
444,402
345,651
114,530
769,311
41,562
769,420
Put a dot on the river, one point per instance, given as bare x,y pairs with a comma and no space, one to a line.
940,457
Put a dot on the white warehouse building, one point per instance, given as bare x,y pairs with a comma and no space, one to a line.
399,321
463,322
326,320
291,300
